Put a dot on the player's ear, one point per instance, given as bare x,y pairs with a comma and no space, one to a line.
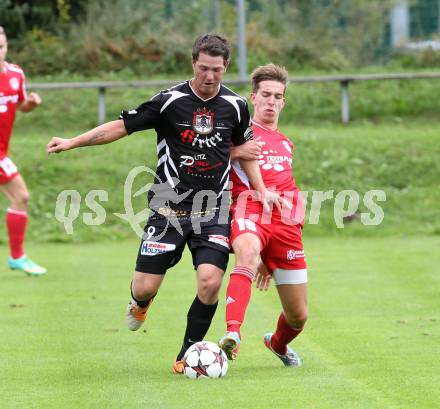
284,102
226,64
252,98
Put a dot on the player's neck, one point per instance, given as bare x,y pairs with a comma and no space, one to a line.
200,94
2,66
273,126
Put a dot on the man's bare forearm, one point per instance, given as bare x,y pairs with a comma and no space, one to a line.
253,173
96,138
102,134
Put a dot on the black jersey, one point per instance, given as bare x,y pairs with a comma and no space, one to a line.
194,138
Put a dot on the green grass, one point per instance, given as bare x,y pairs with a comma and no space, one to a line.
372,340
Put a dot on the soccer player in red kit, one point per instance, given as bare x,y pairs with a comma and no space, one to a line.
276,237
12,97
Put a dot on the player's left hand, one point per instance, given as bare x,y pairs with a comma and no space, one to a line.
249,151
34,99
263,278
269,198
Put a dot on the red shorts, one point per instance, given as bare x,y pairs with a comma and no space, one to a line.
8,170
280,242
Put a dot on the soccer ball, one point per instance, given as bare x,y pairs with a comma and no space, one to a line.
205,360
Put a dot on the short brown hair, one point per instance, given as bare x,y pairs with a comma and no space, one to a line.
269,72
212,44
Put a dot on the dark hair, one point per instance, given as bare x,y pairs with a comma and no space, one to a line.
269,72
213,45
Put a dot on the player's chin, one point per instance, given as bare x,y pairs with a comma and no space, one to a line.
209,87
269,116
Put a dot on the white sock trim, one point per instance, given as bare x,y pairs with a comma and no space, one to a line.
18,212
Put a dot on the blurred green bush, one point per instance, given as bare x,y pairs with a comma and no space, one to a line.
155,38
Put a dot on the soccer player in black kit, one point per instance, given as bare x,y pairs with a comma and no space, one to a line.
196,122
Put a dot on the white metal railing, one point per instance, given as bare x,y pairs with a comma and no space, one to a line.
344,81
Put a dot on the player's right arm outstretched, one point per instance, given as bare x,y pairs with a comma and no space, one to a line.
102,134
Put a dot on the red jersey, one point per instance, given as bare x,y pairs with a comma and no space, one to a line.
12,91
276,169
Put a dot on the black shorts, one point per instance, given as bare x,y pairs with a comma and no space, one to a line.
165,238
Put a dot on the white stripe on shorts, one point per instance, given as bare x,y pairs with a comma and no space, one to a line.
281,276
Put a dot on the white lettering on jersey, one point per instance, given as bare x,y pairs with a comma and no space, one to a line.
278,159
205,141
268,160
186,160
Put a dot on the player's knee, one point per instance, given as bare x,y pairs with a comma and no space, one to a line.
247,256
208,288
142,289
21,200
143,293
297,319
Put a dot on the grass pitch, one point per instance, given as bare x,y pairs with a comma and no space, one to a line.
372,340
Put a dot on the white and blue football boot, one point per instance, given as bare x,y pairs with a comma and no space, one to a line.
290,358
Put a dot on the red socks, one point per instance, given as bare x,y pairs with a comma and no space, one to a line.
16,221
283,335
238,295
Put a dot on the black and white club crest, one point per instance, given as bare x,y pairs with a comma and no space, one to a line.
203,121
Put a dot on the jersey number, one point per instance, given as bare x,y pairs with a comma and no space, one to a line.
244,224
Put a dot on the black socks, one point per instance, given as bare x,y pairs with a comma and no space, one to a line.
198,321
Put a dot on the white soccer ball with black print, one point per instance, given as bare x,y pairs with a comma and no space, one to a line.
205,359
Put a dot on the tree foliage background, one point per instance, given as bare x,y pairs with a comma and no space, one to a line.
151,38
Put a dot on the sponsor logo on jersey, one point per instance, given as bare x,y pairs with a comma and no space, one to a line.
219,239
14,83
186,160
197,163
200,140
203,121
269,160
151,248
187,136
209,142
294,254
278,159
